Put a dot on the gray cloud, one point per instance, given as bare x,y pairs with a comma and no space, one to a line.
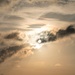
13,28
59,16
12,35
2,2
36,25
8,24
40,3
8,52
13,17
11,43
61,33
26,3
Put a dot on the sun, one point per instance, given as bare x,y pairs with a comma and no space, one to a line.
33,36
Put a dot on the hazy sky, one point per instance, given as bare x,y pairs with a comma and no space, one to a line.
20,18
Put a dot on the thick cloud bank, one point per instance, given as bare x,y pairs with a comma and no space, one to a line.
13,42
47,36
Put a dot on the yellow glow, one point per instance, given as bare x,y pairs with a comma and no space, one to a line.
38,46
38,30
33,36
39,41
44,28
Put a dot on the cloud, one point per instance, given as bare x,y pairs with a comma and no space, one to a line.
36,25
61,33
8,23
59,16
7,52
13,17
4,2
21,4
12,35
27,3
11,43
40,3
15,35
13,28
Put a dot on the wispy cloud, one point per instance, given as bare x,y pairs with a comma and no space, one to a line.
59,16
36,26
13,17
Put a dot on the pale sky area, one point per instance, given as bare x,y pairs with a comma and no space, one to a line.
21,22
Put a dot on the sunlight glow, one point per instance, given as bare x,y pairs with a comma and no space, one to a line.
39,41
33,36
37,46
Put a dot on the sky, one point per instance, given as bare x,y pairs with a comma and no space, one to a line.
20,23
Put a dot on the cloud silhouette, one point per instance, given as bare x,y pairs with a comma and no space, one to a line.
15,35
4,2
62,33
8,52
47,36
12,35
11,43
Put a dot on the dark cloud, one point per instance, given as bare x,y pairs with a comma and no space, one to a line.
69,30
14,35
8,52
11,43
2,2
13,17
59,16
47,36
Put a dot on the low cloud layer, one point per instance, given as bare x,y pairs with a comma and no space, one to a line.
11,43
8,52
61,33
68,31
13,36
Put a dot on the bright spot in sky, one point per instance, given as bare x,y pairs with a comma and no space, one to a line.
39,41
33,36
38,46
44,28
